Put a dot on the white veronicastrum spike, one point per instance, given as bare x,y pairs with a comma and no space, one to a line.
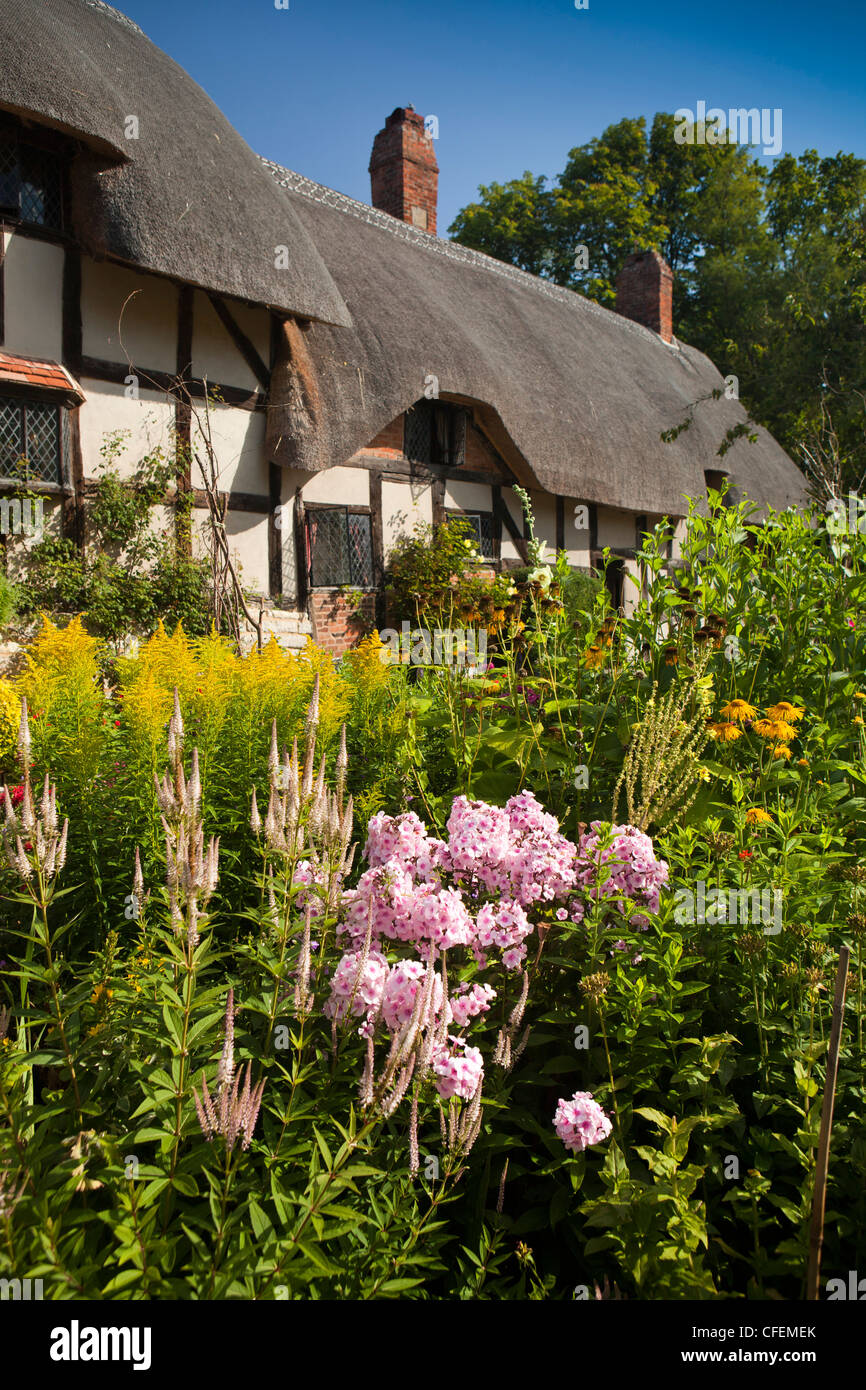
255,818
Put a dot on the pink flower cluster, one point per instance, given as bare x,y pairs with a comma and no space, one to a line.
515,854
580,1122
457,1070
635,872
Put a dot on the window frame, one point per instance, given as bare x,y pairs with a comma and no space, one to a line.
42,145
457,416
24,399
348,509
495,529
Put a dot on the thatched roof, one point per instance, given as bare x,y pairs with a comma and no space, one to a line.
575,396
188,198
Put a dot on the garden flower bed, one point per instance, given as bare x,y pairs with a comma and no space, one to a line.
444,982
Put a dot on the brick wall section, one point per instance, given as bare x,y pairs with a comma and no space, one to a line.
336,626
644,292
404,173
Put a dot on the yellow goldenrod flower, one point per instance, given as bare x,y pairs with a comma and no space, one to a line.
785,710
738,710
724,733
704,774
756,816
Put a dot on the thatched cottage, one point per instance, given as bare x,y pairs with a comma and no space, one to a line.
371,373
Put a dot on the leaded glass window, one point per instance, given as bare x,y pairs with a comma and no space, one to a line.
31,441
339,548
434,432
31,184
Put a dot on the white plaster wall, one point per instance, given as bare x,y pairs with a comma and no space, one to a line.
678,537
238,439
43,524
214,354
347,486
630,586
141,310
508,549
248,542
403,508
615,528
469,497
33,282
148,423
576,538
544,511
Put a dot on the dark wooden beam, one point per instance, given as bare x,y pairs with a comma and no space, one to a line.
2,283
501,510
183,415
72,328
422,473
275,534
377,543
98,369
438,500
560,523
245,347
299,522
72,520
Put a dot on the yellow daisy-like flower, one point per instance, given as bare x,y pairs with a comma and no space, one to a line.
594,658
802,762
860,694
724,733
858,719
776,729
785,710
738,710
780,751
756,816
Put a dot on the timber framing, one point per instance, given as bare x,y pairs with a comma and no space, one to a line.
98,369
244,345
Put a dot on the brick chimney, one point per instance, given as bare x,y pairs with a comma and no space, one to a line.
644,292
404,174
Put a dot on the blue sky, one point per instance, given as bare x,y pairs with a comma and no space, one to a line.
515,84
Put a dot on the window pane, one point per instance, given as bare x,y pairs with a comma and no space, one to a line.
42,443
482,525
9,177
360,550
418,432
11,441
41,200
329,548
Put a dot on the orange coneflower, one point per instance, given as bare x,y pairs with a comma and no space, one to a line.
724,733
776,729
738,710
786,711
